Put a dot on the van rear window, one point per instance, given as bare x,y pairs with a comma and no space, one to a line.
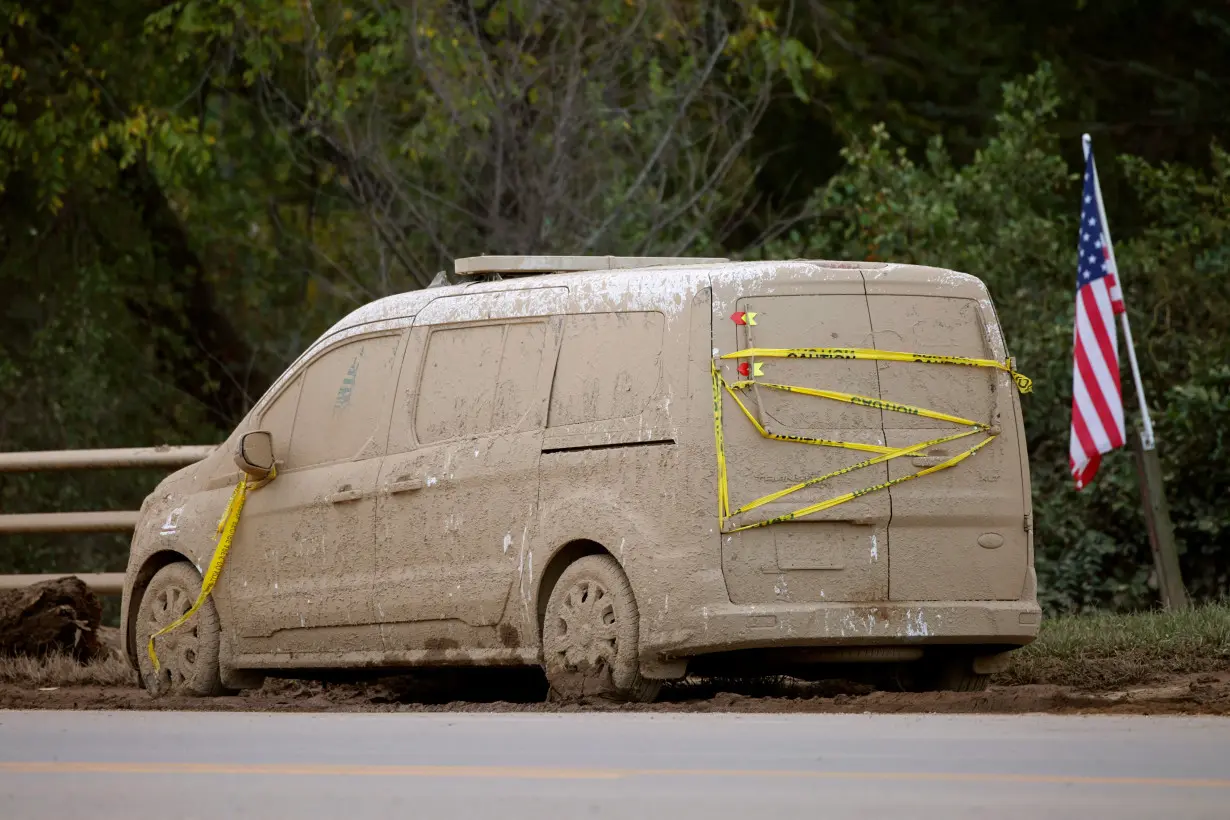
609,367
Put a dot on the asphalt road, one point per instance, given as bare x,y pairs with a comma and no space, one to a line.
135,765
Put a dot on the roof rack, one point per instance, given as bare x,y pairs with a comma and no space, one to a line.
529,265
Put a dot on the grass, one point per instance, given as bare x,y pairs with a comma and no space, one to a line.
63,670
1108,651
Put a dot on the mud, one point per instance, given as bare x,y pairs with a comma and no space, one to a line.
57,616
517,691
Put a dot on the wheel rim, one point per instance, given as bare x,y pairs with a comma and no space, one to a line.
178,649
587,625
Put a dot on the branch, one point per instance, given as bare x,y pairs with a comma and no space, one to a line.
657,152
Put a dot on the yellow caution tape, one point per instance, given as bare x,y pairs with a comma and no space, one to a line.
822,442
226,532
811,482
863,401
1023,383
841,499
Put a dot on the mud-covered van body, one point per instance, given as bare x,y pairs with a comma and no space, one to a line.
526,471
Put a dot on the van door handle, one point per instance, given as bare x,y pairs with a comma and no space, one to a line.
928,461
405,485
344,493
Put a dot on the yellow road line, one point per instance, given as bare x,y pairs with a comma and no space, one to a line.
557,773
309,769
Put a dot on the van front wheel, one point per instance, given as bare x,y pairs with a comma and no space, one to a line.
590,635
188,655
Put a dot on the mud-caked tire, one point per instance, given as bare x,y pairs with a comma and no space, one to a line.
590,635
948,672
958,675
188,655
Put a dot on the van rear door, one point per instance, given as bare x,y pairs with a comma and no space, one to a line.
840,554
958,534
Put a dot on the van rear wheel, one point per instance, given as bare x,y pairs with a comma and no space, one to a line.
948,672
590,635
960,680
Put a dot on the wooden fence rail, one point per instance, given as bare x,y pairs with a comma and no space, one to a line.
107,583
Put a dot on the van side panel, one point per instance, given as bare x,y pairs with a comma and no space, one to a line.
459,483
641,485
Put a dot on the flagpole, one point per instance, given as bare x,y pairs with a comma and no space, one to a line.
1157,511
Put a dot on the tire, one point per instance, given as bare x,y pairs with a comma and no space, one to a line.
959,676
188,654
590,635
947,673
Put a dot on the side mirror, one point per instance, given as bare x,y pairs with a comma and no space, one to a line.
254,455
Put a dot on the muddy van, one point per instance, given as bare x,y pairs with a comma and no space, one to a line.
625,470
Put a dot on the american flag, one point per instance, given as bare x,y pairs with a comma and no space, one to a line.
1097,401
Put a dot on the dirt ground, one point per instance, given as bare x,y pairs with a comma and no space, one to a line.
1206,694
110,684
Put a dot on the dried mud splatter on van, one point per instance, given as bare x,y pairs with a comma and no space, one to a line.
462,470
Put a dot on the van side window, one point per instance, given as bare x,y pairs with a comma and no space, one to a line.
477,380
609,367
516,388
345,402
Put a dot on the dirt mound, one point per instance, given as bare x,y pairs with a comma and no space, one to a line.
56,617
1193,694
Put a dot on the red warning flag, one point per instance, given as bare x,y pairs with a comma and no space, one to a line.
755,369
742,318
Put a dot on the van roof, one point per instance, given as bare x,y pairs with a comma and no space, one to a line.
610,276
571,264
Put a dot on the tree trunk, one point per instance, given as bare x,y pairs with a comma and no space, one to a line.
207,348
58,616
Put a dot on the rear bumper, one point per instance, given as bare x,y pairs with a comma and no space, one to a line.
730,627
